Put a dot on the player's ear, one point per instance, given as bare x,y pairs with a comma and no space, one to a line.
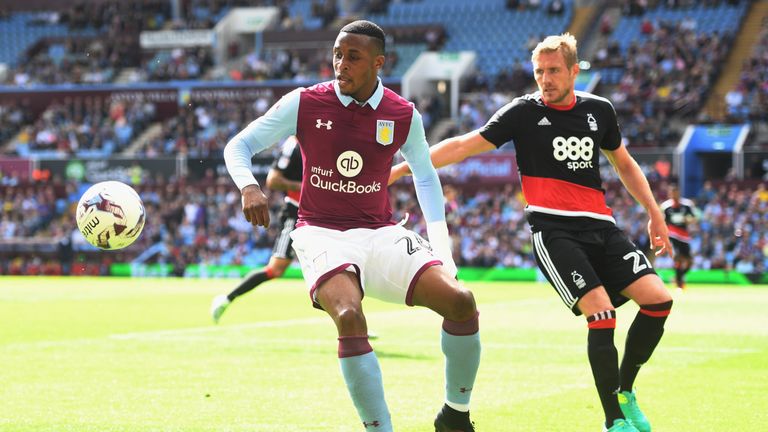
378,61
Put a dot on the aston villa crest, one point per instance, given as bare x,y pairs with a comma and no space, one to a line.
385,131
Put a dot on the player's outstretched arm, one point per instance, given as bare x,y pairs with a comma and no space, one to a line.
277,181
634,180
447,152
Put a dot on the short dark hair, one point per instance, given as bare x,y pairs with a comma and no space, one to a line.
367,28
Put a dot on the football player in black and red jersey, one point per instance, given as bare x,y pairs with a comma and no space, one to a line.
590,262
284,175
680,213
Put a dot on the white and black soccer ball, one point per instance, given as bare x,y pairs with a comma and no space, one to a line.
110,215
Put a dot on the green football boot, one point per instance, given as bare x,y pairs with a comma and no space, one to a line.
620,425
628,405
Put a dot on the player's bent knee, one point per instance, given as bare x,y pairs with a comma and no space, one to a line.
463,307
594,301
350,320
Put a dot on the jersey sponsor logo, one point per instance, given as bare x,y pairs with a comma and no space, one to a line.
343,186
577,151
544,122
385,131
591,122
349,163
677,218
327,125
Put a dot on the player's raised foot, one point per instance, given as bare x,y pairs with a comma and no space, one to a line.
631,410
620,425
218,306
450,420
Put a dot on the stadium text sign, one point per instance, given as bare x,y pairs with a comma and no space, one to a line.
176,38
484,169
127,170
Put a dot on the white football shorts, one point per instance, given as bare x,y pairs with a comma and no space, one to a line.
388,261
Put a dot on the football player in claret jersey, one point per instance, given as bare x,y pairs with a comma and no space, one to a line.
558,134
680,213
284,175
349,130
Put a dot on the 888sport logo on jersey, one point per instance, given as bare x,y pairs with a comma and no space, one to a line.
577,151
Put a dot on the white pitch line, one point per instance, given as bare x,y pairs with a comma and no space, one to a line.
213,328
383,342
411,312
256,325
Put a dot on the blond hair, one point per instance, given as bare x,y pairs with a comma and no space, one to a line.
565,43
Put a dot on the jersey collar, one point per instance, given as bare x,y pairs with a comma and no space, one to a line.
373,101
561,107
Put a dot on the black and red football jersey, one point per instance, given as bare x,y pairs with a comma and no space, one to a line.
678,214
557,151
290,165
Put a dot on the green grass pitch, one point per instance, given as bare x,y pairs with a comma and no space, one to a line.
110,354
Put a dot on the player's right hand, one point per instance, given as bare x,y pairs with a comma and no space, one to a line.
255,206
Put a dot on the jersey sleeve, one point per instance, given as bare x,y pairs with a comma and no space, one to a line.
262,133
612,139
500,128
429,192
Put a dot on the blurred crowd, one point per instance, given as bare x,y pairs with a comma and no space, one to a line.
748,101
202,129
665,76
88,125
201,223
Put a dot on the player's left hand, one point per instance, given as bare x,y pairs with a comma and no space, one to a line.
659,237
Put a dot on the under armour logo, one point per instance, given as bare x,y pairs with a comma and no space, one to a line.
465,390
374,423
327,125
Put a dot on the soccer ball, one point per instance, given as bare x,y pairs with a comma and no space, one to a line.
110,215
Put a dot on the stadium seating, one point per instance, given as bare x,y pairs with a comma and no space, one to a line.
707,19
497,34
22,29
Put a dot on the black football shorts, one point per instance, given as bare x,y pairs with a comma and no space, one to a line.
575,262
283,242
682,249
